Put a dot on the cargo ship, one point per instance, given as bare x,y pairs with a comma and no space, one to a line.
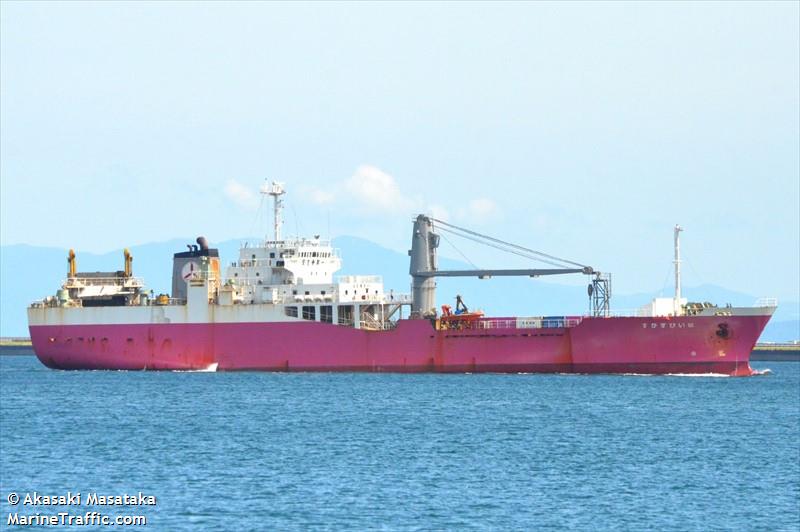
280,308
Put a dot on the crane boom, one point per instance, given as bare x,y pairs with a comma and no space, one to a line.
503,273
423,266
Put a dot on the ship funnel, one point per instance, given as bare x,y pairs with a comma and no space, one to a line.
73,268
202,257
128,263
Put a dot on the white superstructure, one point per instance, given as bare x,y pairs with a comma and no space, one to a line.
275,280
299,273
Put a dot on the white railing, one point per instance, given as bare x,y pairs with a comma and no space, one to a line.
354,279
767,302
496,324
545,322
264,282
646,312
627,313
80,282
296,242
203,276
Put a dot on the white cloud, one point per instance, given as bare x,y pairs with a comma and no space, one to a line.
375,190
437,211
482,208
317,196
322,197
241,195
371,191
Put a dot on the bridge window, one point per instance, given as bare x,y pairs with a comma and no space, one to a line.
326,314
309,313
346,315
290,311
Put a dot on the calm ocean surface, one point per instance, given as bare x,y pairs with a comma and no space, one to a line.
261,451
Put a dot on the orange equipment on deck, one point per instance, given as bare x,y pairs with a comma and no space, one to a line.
462,318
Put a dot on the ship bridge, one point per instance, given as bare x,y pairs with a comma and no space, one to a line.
298,275
283,262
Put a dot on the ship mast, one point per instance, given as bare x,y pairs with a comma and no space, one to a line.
677,301
275,190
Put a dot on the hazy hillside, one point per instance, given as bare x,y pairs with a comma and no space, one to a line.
28,273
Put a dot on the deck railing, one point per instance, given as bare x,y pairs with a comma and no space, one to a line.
362,279
767,302
541,322
80,282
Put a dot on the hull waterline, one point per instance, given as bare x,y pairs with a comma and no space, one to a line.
595,345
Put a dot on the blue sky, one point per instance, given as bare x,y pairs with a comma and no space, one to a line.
584,130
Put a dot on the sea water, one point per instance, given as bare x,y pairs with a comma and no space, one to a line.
277,451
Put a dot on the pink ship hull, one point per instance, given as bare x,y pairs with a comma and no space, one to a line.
596,345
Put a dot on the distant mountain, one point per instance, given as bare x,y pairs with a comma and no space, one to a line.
29,273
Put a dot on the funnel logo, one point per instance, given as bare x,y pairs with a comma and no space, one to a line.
190,271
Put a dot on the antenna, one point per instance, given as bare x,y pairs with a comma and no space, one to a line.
275,190
296,223
677,302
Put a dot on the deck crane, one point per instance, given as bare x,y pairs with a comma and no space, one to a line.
424,269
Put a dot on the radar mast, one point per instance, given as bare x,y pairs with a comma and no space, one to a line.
677,261
276,190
